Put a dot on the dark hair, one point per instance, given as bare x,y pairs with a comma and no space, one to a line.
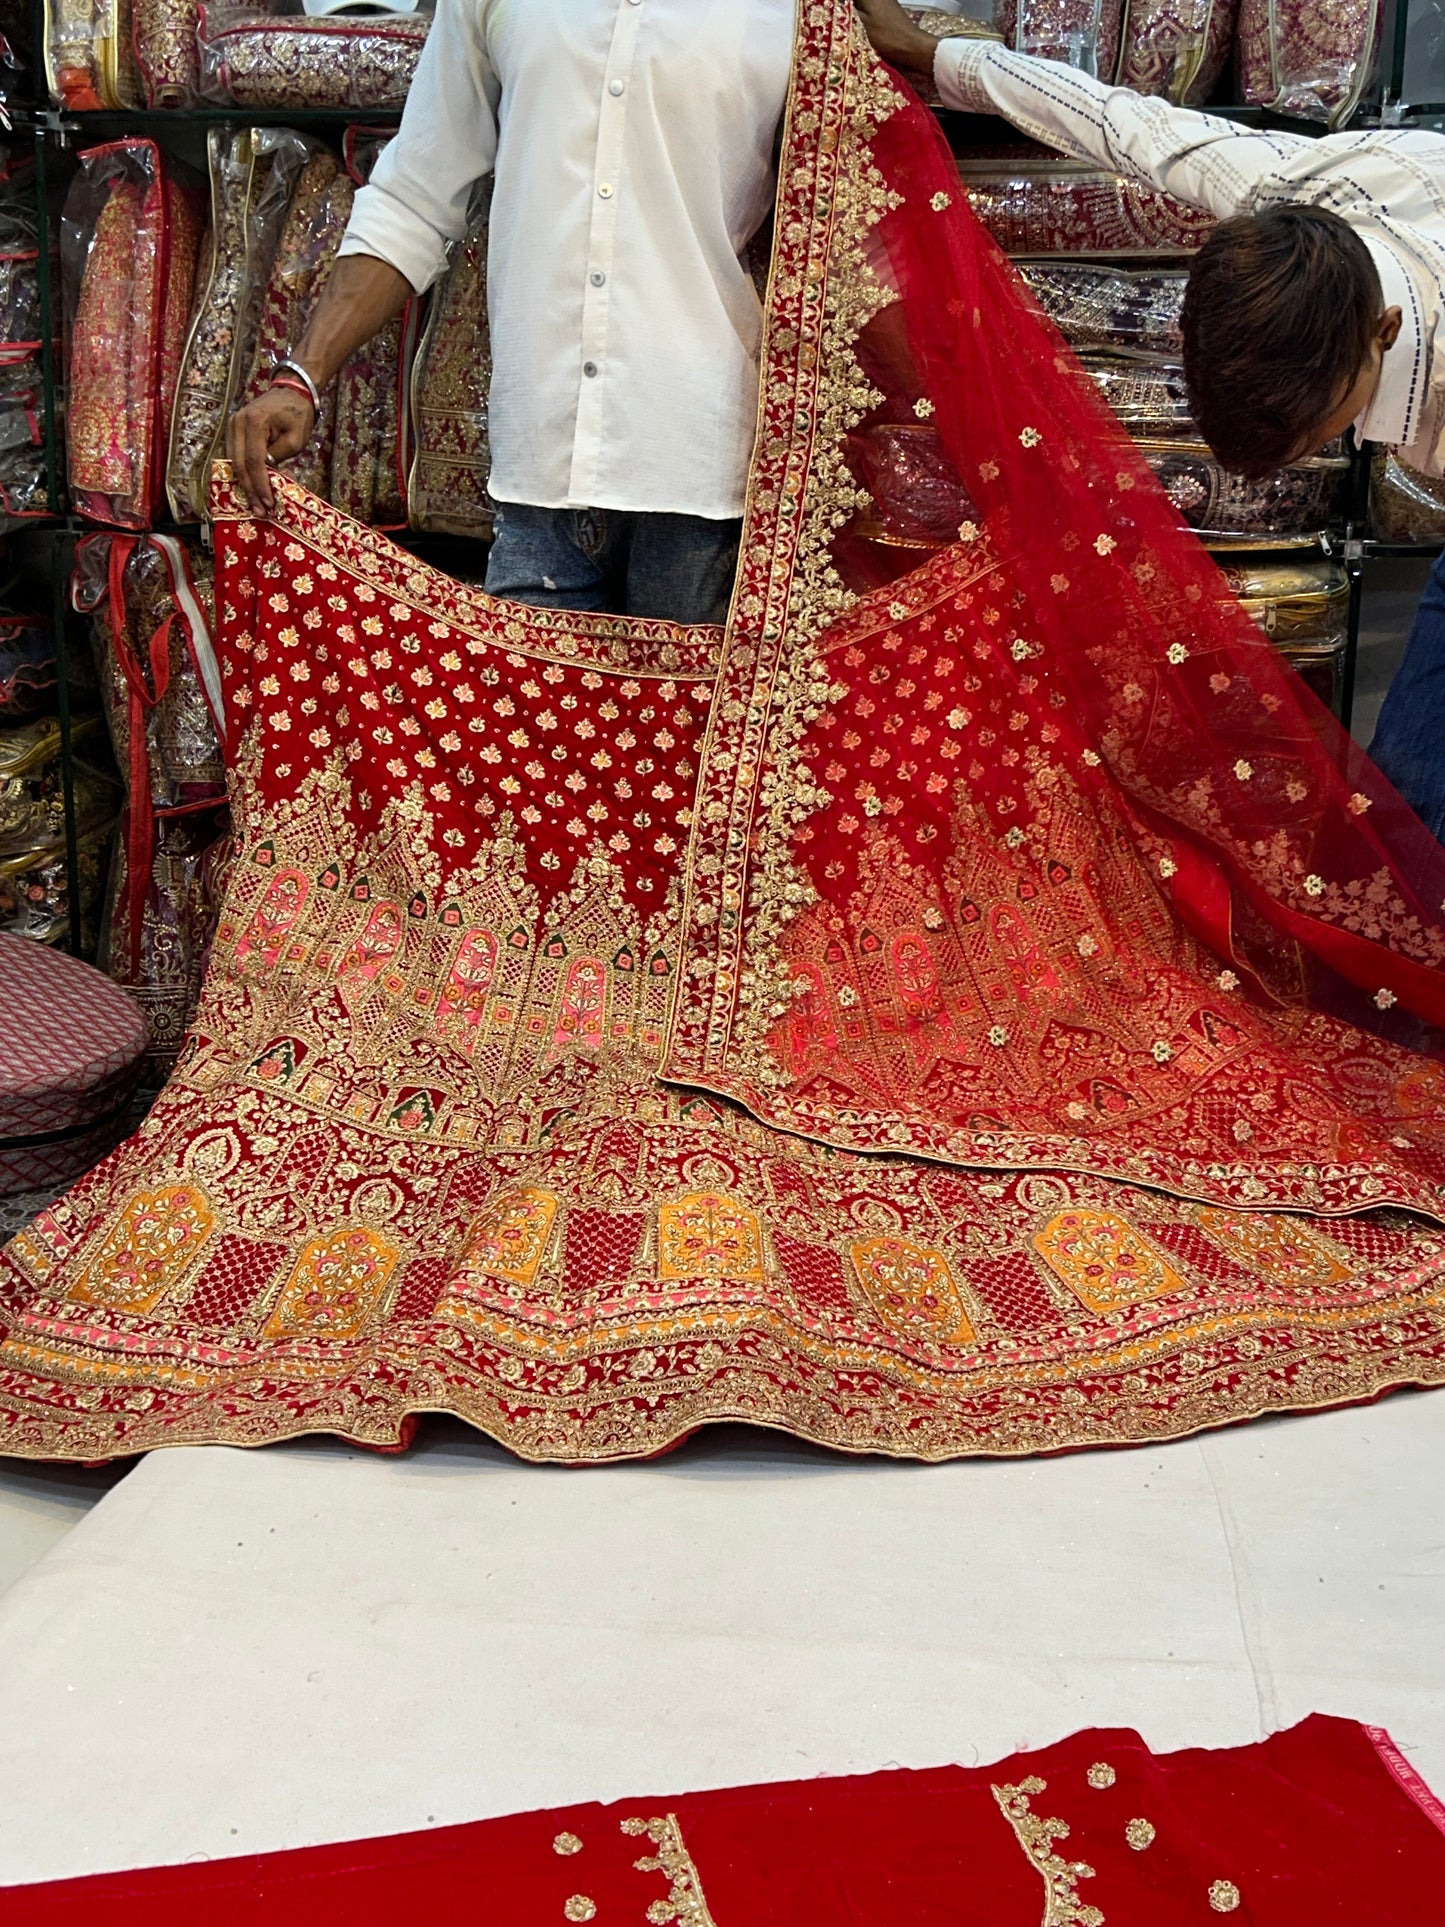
1278,317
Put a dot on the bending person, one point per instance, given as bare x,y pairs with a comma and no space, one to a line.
1315,304
632,150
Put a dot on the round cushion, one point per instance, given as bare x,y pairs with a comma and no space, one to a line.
71,1044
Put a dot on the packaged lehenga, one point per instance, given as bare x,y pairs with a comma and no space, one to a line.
1304,608
129,241
1177,48
1128,311
978,1001
253,58
1315,61
372,451
1045,205
253,175
90,55
166,54
150,599
450,383
1406,505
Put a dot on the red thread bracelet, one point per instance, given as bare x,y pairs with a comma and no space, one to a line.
290,381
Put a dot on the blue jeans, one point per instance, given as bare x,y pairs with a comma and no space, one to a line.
677,568
1409,743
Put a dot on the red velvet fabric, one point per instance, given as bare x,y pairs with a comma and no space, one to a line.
1313,1828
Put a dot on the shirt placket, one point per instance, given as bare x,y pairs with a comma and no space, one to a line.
601,247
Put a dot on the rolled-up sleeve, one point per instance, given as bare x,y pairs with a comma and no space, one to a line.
415,204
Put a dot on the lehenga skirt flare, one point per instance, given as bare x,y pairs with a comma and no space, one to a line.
977,1002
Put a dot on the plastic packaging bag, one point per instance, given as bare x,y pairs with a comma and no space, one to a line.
1127,311
89,58
1406,506
1177,48
32,794
305,253
447,488
1082,33
1312,58
167,57
1288,509
151,603
257,59
1044,206
35,890
253,174
371,455
129,238
1148,397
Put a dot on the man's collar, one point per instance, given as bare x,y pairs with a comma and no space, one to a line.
1393,415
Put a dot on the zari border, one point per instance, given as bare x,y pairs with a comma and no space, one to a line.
628,645
828,201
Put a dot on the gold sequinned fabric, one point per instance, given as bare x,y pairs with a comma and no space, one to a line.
451,379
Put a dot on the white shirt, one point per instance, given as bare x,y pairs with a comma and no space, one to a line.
1389,184
633,144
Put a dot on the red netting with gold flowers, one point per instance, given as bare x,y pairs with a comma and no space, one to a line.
917,1017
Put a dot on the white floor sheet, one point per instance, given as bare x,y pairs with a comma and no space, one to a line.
240,1651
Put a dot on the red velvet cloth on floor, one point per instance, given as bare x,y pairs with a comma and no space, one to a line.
1323,1826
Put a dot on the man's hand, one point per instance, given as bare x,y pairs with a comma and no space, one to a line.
276,426
896,38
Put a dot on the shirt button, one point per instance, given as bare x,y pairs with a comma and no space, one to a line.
589,368
606,190
616,87
598,278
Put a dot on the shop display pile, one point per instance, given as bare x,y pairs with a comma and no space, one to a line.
181,290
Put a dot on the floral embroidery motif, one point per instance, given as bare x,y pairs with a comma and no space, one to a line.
510,1237
1140,1834
686,1903
1284,1250
1037,1836
709,1235
912,1289
1101,1775
1224,1897
336,1286
580,1907
566,1843
1103,1261
159,1237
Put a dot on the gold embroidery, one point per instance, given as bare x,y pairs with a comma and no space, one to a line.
1224,1896
1281,1250
1140,1834
566,1843
335,1287
510,1237
709,1235
1062,1905
1103,1261
912,1289
686,1903
1101,1774
580,1907
159,1237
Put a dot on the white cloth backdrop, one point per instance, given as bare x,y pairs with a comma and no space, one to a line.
238,1651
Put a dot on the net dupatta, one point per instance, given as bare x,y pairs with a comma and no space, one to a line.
1027,843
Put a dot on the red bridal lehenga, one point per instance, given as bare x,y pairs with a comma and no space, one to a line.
978,1002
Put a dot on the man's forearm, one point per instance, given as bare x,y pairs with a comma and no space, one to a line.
1202,159
361,295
